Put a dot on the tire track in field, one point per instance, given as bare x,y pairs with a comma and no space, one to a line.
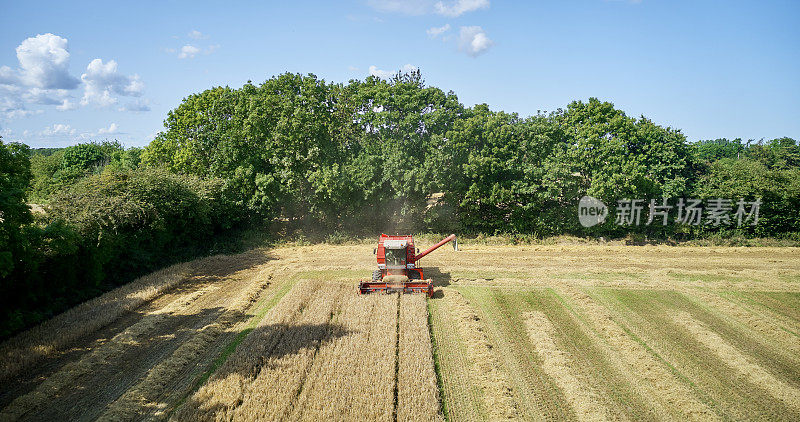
418,392
738,361
353,375
651,374
280,379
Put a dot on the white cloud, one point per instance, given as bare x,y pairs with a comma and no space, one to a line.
211,48
352,68
43,96
197,35
11,104
385,74
41,78
436,31
7,76
188,52
459,7
451,8
18,113
473,40
107,131
66,104
103,80
44,62
103,132
58,129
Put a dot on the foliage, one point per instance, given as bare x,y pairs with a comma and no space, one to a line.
712,150
778,189
56,169
15,174
397,155
105,230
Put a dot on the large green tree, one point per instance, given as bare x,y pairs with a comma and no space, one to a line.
15,175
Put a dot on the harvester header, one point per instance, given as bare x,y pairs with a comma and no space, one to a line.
398,269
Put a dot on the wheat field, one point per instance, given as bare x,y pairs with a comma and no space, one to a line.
564,332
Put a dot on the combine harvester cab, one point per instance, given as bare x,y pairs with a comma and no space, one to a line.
398,269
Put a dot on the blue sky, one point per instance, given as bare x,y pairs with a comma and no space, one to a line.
73,72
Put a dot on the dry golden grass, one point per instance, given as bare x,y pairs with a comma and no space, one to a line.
230,385
146,397
65,378
417,392
31,346
326,353
353,375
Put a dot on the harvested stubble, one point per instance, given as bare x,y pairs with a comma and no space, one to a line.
32,346
729,392
557,364
143,398
417,392
745,298
672,396
461,395
484,371
738,361
757,318
65,378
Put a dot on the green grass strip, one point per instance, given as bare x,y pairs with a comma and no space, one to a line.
436,365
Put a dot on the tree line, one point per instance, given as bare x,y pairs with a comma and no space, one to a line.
362,157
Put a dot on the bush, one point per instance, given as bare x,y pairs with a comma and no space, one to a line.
107,229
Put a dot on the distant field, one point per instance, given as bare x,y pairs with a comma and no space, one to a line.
574,332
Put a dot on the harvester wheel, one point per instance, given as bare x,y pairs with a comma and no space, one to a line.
376,275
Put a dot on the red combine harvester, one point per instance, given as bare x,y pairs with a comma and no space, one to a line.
398,270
